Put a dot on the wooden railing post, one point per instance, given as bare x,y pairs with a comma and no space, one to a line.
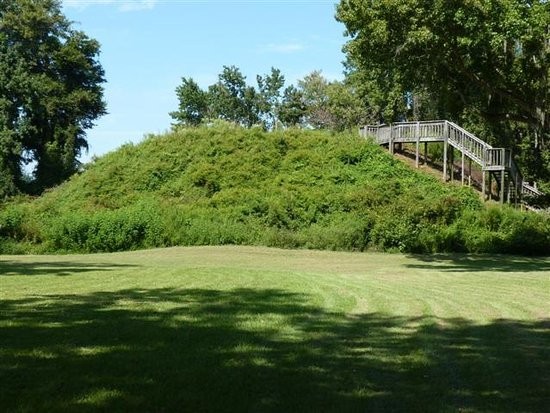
483,172
391,139
425,153
502,174
502,189
445,159
483,183
445,149
462,166
452,162
417,133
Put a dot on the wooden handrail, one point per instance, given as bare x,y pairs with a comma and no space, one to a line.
489,158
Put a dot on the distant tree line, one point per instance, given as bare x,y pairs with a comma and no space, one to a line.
314,102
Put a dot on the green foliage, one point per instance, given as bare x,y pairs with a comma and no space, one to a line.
506,230
10,222
270,92
414,59
332,105
20,232
343,231
231,99
314,103
50,94
224,184
193,103
132,227
292,109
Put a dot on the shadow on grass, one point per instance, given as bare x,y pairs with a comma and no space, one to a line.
58,268
478,263
165,350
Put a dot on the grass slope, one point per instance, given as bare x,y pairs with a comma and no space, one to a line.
227,185
231,329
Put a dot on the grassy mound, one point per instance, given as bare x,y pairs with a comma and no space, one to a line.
298,189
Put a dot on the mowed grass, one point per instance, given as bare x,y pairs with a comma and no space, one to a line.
243,329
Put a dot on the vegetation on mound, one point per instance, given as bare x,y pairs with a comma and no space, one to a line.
298,189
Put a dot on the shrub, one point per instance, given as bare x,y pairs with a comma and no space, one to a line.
282,238
504,230
344,231
18,223
137,226
11,220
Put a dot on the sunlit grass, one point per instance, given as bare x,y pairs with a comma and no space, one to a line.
256,329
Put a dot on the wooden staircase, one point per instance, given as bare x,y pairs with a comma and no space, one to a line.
496,164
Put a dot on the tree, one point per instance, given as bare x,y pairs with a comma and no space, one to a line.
483,63
333,105
12,86
270,92
314,91
316,102
232,99
292,109
346,109
193,103
50,92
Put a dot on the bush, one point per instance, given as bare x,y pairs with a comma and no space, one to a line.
11,220
503,230
19,224
282,238
137,226
349,232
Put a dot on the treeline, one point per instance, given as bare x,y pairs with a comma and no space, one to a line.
314,102
224,184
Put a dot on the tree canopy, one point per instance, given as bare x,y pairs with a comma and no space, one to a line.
484,63
314,102
50,94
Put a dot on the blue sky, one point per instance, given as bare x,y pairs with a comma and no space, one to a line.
147,46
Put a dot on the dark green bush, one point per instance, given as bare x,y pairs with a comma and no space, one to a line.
504,230
529,236
282,238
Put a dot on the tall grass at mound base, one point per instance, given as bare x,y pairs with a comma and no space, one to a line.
292,189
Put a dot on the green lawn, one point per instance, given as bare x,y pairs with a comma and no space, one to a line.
243,329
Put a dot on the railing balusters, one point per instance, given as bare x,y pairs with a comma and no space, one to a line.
489,158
